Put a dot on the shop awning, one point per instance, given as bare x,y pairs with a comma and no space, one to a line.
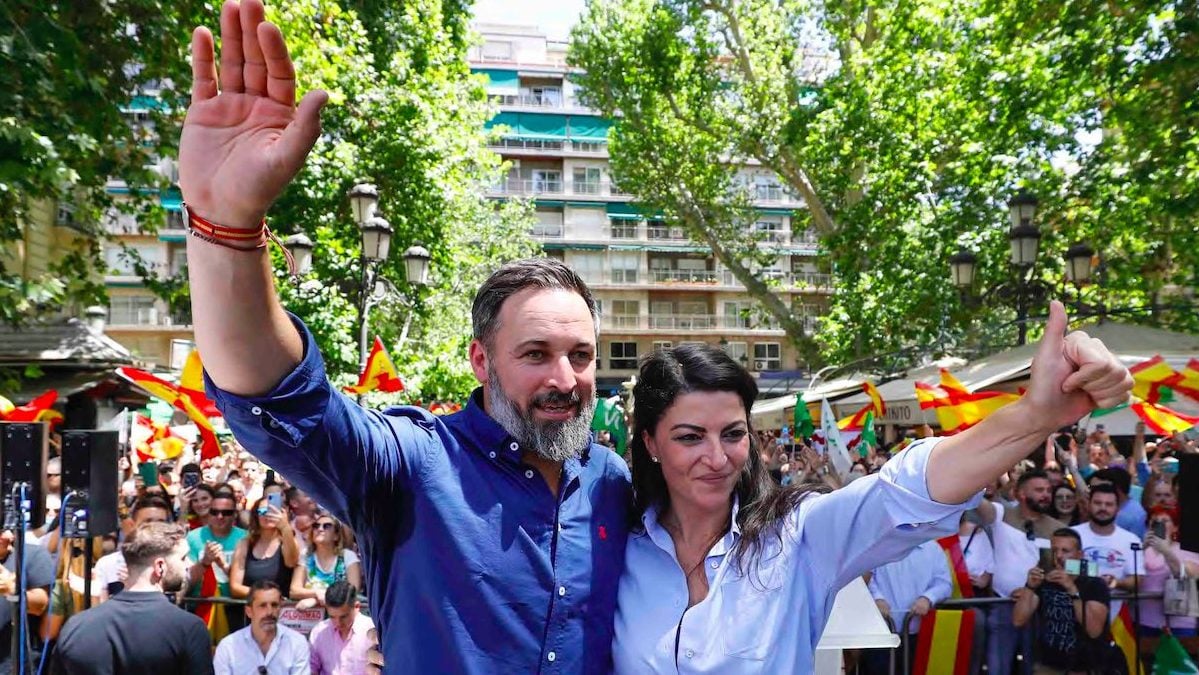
589,127
504,82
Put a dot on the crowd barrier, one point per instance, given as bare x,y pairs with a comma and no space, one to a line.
299,620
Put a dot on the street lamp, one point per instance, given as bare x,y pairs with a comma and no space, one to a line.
376,239
416,263
1078,263
300,247
364,199
1024,235
962,265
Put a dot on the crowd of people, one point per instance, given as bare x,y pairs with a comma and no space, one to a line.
1116,515
252,543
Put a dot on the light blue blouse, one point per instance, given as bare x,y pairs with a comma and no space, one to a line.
769,619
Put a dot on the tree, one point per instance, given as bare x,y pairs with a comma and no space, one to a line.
903,125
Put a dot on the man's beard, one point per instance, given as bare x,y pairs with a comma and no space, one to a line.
1037,507
1102,522
552,440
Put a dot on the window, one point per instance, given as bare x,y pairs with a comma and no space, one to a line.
174,220
548,97
495,50
66,215
624,229
119,262
589,266
132,310
771,231
547,182
178,260
624,267
622,355
737,314
587,181
626,313
738,351
768,356
662,345
590,146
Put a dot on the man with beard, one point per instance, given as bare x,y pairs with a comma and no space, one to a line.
264,647
1019,536
1107,545
493,539
138,630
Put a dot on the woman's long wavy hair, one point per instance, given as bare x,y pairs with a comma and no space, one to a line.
667,374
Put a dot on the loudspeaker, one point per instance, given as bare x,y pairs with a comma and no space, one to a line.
1188,501
90,470
23,451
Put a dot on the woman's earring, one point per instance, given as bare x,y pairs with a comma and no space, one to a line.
654,460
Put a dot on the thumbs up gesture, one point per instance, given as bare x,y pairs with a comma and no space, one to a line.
1073,374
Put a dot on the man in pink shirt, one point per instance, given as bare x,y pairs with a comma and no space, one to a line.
339,643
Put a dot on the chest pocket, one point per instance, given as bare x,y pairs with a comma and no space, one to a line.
753,607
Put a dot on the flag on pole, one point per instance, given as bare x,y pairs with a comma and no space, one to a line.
155,441
1162,420
957,408
1188,380
876,399
868,437
1149,377
1124,636
1171,658
952,546
159,388
39,409
191,382
804,426
609,417
379,373
833,444
944,642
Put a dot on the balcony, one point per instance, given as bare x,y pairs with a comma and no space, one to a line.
528,100
147,317
525,186
685,323
546,231
811,281
676,276
584,188
659,233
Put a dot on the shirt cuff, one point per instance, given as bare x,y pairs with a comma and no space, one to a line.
907,473
291,410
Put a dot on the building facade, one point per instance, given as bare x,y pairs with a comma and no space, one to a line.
656,287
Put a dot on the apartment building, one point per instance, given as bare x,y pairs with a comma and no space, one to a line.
656,287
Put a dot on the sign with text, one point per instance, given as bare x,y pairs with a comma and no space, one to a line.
301,620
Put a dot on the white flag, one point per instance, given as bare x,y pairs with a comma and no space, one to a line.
833,444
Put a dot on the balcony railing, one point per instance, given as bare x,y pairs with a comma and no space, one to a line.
523,186
525,144
823,282
528,100
586,188
661,276
685,322
658,233
548,231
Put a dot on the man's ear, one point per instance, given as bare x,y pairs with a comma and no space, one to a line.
478,361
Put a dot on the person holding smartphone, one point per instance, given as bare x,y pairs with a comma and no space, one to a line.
1069,605
1165,559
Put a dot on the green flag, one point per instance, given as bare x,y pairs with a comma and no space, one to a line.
1100,412
804,426
609,417
1171,659
868,436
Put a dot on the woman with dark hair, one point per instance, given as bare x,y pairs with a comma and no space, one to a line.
1065,505
728,572
268,552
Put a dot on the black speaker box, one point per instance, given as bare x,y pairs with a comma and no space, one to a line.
89,469
1188,501
23,451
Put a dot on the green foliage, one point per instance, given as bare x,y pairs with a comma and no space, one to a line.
905,125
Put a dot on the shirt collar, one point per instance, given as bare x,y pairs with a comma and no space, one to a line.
658,534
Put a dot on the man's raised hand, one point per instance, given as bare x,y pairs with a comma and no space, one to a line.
244,137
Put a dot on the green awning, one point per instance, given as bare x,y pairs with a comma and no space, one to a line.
589,127
777,212
561,245
172,202
616,209
145,103
543,126
173,238
501,81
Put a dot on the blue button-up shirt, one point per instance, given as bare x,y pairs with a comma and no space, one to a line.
472,564
923,572
768,618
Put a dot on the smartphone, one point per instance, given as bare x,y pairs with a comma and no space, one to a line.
149,473
270,477
275,499
1159,530
1074,567
1046,560
191,479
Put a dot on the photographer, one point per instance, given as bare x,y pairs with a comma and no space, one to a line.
1070,608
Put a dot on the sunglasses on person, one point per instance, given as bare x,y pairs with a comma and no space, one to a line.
222,513
324,526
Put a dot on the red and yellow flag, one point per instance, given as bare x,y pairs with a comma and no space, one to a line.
957,408
952,546
159,388
944,643
191,382
379,373
39,409
858,419
1150,376
154,441
1124,637
1188,380
1162,420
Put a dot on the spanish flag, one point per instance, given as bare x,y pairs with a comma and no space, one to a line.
1162,420
1149,377
952,546
957,408
40,409
159,388
858,420
154,441
379,373
1188,380
191,382
1124,636
944,643
213,614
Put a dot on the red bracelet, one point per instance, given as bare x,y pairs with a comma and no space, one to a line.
236,238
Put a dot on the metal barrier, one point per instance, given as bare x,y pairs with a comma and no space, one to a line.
979,603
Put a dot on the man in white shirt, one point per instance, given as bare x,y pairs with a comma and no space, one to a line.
1108,545
1018,536
264,647
912,585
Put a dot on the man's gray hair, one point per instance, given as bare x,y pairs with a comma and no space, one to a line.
516,276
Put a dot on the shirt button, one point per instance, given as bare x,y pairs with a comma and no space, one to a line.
256,410
715,564
561,591
690,653
491,454
529,473
274,424
551,657
514,447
